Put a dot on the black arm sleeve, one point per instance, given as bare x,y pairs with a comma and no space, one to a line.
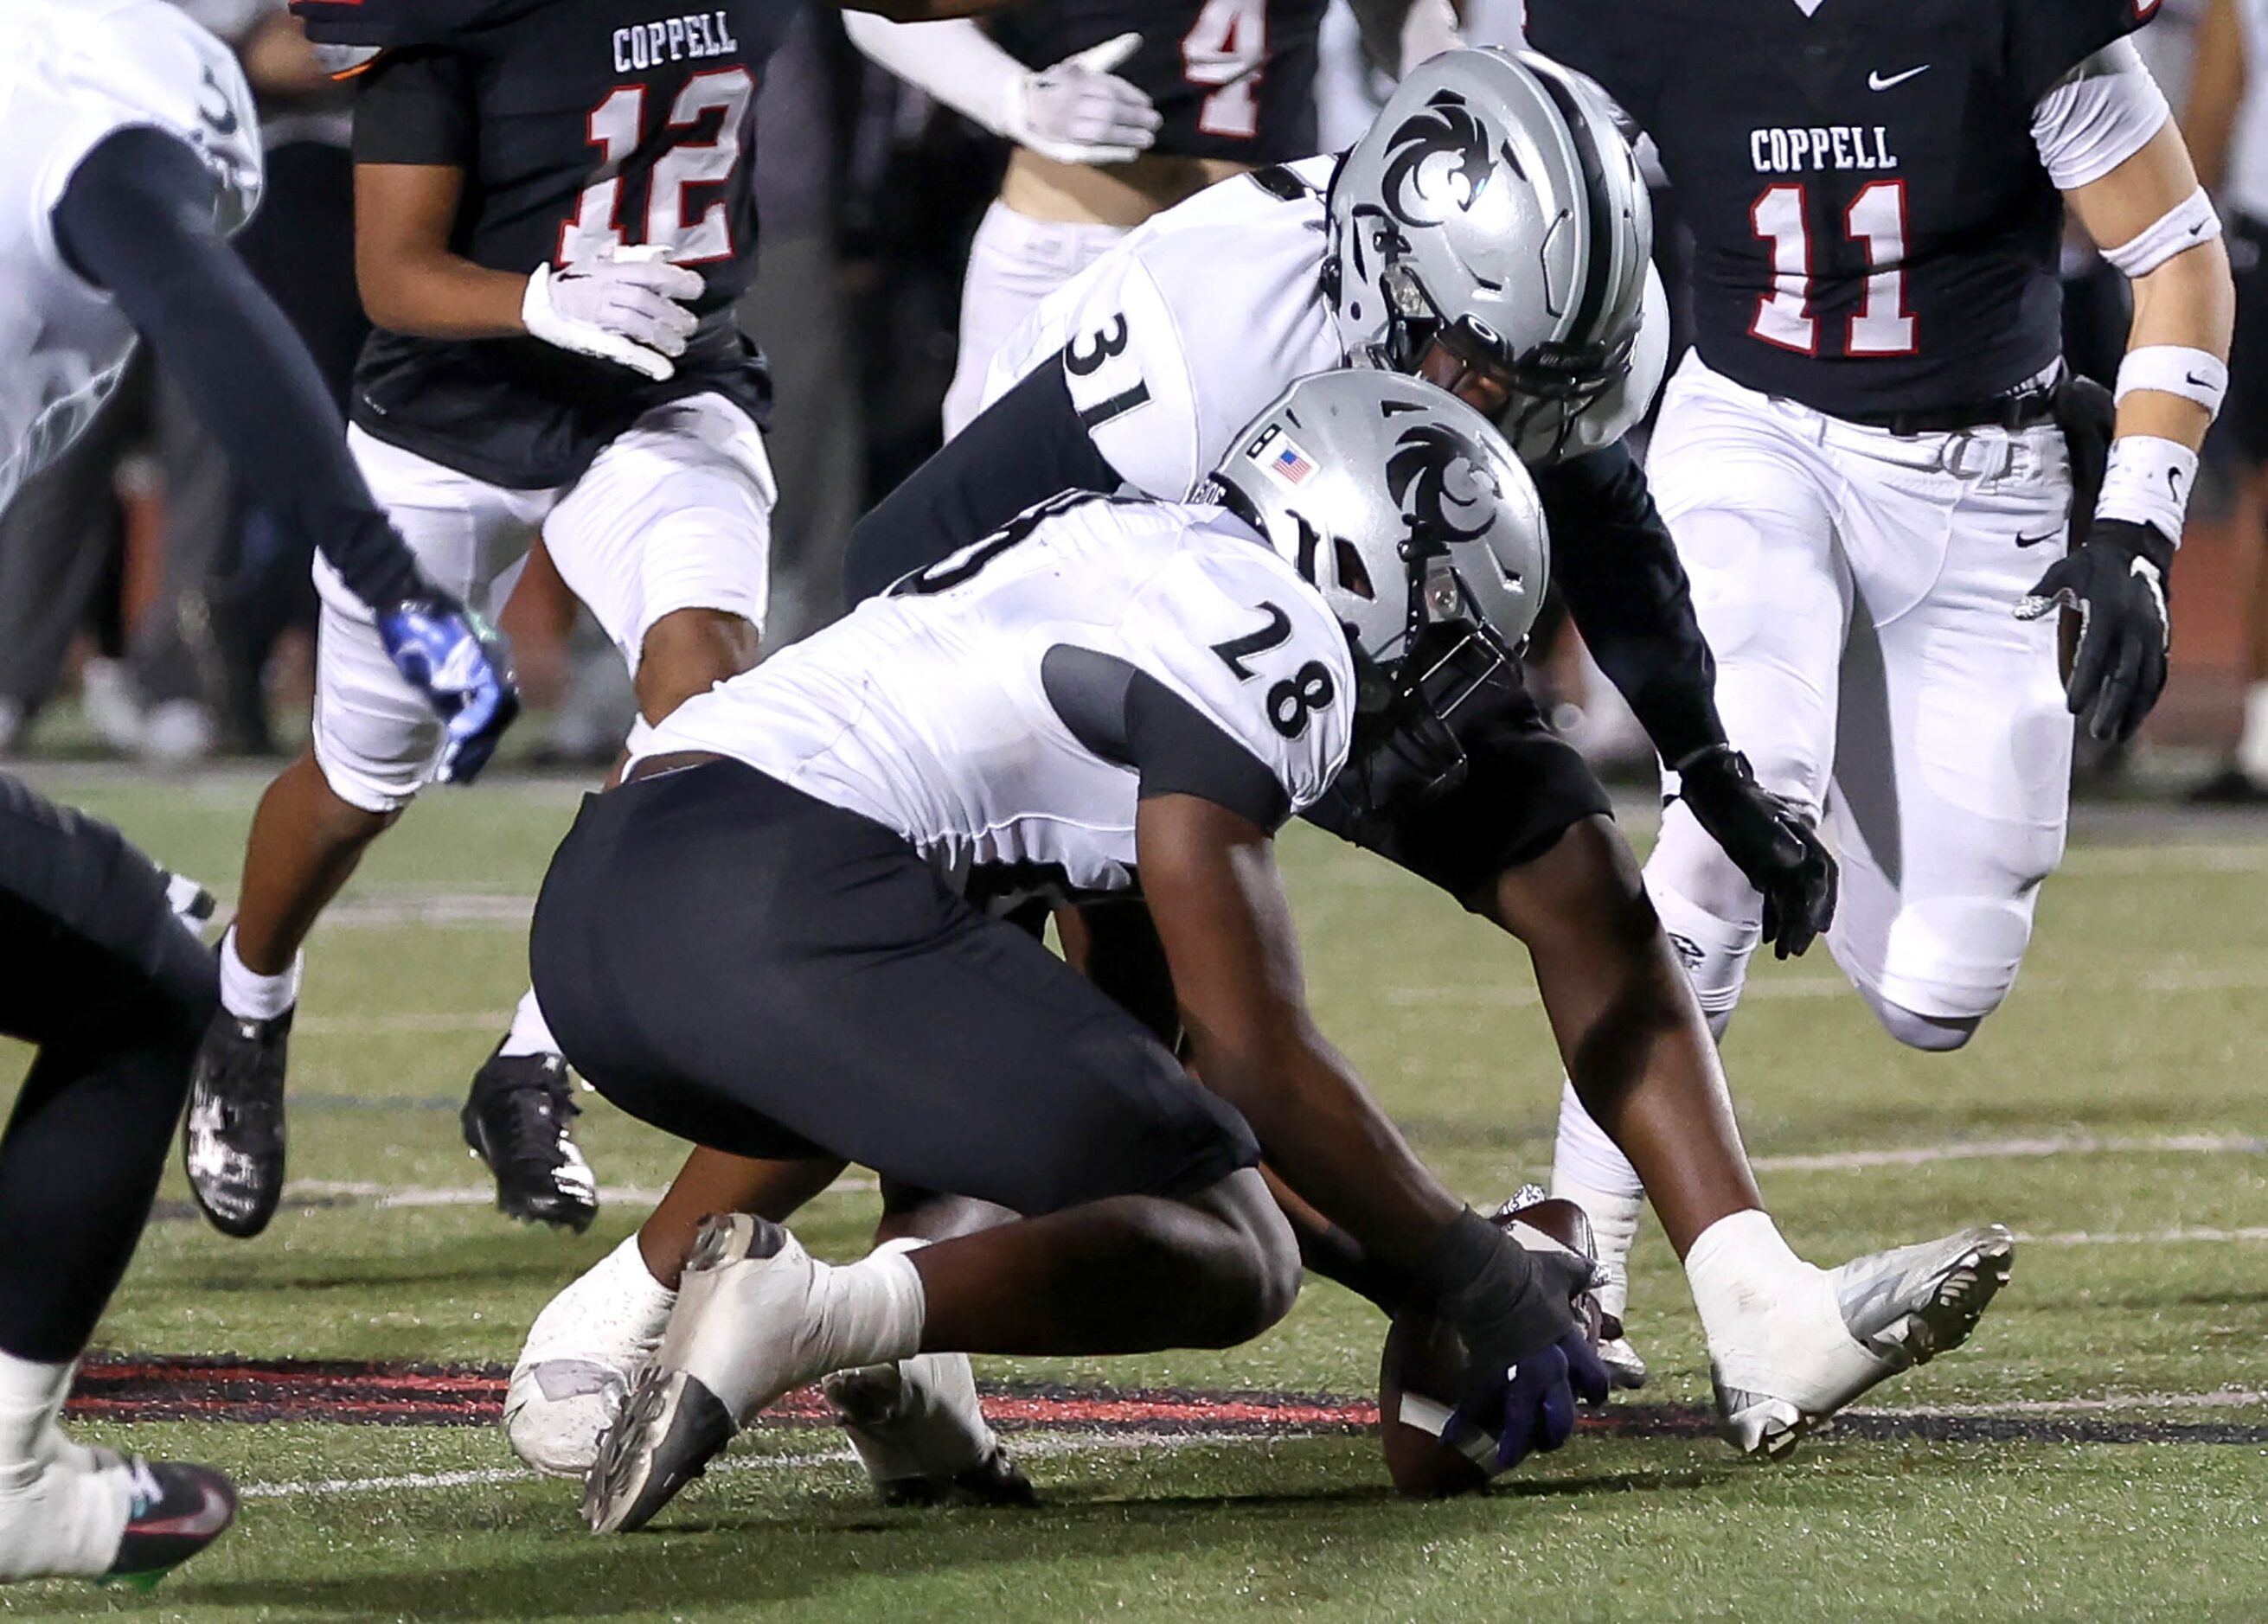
137,219
1026,446
1613,558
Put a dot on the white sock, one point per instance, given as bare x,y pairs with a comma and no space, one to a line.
1714,951
249,996
1740,1267
870,1311
1588,1169
2252,746
30,1393
530,1034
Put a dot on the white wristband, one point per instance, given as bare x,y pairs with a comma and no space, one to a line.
2149,483
2180,229
2196,375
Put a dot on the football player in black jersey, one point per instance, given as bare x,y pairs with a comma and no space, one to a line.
1879,483
1144,103
555,220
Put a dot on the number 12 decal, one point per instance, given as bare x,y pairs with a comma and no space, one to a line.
1875,219
617,126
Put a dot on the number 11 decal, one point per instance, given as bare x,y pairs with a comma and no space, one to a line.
1876,219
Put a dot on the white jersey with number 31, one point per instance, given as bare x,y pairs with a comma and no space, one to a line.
72,72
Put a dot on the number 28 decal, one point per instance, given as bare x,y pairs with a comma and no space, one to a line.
1300,695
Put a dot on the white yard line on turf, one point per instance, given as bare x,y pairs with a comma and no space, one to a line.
2221,1398
1798,989
1029,1446
391,1195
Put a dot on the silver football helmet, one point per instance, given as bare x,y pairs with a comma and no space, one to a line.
1494,208
1406,510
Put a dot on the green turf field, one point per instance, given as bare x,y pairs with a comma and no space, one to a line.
2113,1114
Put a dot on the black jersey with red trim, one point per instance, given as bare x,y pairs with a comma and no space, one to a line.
579,124
1230,79
1874,228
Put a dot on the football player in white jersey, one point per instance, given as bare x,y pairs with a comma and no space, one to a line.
1418,252
1147,102
127,152
1877,477
1107,687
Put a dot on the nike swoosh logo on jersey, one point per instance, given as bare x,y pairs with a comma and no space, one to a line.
2035,541
1876,82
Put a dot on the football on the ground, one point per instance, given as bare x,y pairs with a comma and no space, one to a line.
1422,1369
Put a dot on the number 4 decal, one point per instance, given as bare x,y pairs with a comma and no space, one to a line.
1876,219
1227,46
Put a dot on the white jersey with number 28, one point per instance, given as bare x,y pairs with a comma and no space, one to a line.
72,72
933,711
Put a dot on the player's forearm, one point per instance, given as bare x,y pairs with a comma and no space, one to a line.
2187,304
2216,91
436,295
1326,1139
953,60
136,220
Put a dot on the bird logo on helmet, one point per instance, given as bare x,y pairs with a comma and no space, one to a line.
1445,493
1438,160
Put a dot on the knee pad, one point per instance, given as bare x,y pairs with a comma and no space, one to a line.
1931,1035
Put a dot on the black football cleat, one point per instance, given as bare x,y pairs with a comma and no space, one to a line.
994,1480
232,1137
518,1120
178,1511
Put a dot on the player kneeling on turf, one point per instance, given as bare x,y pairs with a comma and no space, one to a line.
781,936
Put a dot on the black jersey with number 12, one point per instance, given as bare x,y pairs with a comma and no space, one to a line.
1875,231
1230,79
580,125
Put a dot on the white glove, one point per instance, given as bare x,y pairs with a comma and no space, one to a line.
626,307
1079,112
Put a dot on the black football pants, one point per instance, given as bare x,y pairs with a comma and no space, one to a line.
114,992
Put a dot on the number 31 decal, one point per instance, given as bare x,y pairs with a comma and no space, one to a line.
616,128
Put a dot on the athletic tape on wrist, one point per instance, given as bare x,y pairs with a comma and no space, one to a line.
2181,228
2196,375
2149,483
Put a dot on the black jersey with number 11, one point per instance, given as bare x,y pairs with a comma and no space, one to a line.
1874,228
580,125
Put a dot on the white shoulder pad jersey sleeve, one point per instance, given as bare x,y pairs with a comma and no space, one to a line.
1230,628
1184,332
2097,116
75,71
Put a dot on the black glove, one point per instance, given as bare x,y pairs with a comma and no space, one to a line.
1528,1357
1769,840
2116,580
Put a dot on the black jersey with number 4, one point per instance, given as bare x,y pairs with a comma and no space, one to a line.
1874,230
579,125
1230,79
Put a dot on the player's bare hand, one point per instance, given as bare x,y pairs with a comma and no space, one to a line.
1080,111
1769,840
628,307
2116,583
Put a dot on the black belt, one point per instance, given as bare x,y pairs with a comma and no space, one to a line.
2012,412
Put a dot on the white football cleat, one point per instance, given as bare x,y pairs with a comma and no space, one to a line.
1800,1359
921,1435
744,1333
582,1354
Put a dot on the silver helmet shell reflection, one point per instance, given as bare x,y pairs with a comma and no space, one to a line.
1401,505
1494,205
